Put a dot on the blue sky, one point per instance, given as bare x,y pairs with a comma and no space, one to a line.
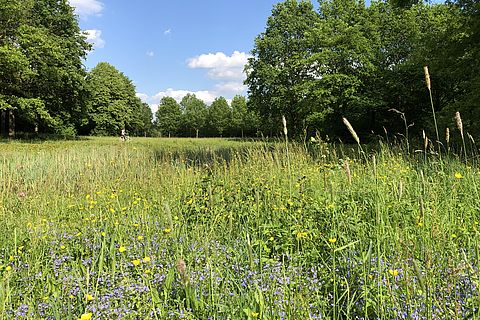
170,48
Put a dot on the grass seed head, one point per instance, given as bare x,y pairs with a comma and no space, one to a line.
182,270
284,122
427,78
458,120
352,131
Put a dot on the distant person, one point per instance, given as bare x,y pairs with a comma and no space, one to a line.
123,135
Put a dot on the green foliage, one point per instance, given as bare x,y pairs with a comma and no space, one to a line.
351,60
198,228
194,114
113,103
41,52
219,117
168,117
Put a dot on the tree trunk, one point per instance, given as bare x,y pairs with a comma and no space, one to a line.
3,123
197,132
11,124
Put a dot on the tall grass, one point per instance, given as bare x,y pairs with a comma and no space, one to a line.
218,229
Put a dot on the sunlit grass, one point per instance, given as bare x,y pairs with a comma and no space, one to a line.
219,229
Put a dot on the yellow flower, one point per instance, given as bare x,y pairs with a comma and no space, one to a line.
111,210
167,230
136,262
458,175
255,314
8,268
122,249
393,272
301,235
62,247
140,238
11,258
103,234
71,296
146,259
332,240
89,297
86,316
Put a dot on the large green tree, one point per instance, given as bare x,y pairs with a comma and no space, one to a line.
168,117
194,114
281,65
113,101
219,117
41,54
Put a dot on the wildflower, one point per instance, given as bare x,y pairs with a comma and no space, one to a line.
301,235
190,201
332,240
393,272
122,249
458,175
78,234
103,233
255,314
89,297
8,268
71,296
140,238
86,316
111,210
147,259
167,230
11,258
136,262
62,247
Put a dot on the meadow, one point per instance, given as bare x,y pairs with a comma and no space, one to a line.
227,229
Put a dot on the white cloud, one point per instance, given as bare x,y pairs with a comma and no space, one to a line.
95,38
167,32
86,8
219,60
204,95
220,65
228,88
150,53
227,69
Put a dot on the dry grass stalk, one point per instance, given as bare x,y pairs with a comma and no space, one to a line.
347,171
284,121
350,128
427,78
425,140
182,270
470,137
458,120
447,135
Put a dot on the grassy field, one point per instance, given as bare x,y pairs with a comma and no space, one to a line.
224,229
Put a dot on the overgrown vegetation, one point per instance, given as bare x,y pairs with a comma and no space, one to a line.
198,229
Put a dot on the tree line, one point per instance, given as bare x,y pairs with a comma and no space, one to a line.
311,65
45,88
366,63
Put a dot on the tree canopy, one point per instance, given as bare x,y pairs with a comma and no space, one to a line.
350,59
